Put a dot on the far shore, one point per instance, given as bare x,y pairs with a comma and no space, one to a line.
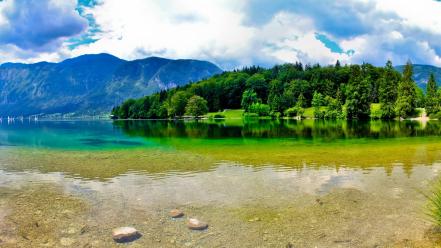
230,114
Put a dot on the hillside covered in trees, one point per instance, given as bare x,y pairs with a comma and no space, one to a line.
91,84
334,92
421,73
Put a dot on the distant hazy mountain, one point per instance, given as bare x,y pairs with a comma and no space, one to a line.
90,83
421,74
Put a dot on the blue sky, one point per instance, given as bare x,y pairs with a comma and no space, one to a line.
229,33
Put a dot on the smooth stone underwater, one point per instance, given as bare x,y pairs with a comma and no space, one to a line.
176,213
195,224
125,234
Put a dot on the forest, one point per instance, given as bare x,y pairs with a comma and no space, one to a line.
332,92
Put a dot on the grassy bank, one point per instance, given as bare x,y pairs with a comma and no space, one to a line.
227,114
308,114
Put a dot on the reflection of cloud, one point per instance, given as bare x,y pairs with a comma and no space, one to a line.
227,185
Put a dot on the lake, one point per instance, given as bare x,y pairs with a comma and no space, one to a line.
257,183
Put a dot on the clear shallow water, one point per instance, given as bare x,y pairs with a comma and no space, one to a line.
79,135
258,183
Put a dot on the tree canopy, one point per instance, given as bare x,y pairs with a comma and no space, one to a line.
432,103
335,91
196,106
406,102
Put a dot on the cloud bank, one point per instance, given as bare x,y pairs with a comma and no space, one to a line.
228,32
31,27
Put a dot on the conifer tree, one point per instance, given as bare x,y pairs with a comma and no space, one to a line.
406,101
388,91
432,102
358,104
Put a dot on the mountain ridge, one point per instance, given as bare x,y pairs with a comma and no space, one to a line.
422,72
91,83
94,83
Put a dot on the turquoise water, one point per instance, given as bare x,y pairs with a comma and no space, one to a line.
96,135
79,135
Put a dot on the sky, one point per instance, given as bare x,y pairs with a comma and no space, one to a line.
229,33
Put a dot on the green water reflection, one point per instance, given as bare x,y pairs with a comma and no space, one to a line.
325,131
96,135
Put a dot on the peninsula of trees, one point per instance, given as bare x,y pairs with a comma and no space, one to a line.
333,92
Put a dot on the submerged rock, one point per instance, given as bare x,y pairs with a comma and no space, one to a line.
176,213
125,234
67,241
254,219
72,230
195,224
319,201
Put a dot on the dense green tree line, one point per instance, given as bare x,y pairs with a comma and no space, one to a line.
334,92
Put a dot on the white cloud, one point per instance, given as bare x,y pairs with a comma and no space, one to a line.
177,29
220,31
423,14
212,30
413,33
216,31
289,38
3,6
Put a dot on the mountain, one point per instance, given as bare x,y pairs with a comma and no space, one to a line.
421,74
91,84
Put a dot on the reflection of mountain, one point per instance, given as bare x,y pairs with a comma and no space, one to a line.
91,83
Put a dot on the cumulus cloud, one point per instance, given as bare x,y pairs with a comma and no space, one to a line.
413,32
264,32
343,18
233,33
289,37
218,30
178,29
39,25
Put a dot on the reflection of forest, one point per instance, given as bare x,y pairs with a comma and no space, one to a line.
192,147
308,129
189,157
